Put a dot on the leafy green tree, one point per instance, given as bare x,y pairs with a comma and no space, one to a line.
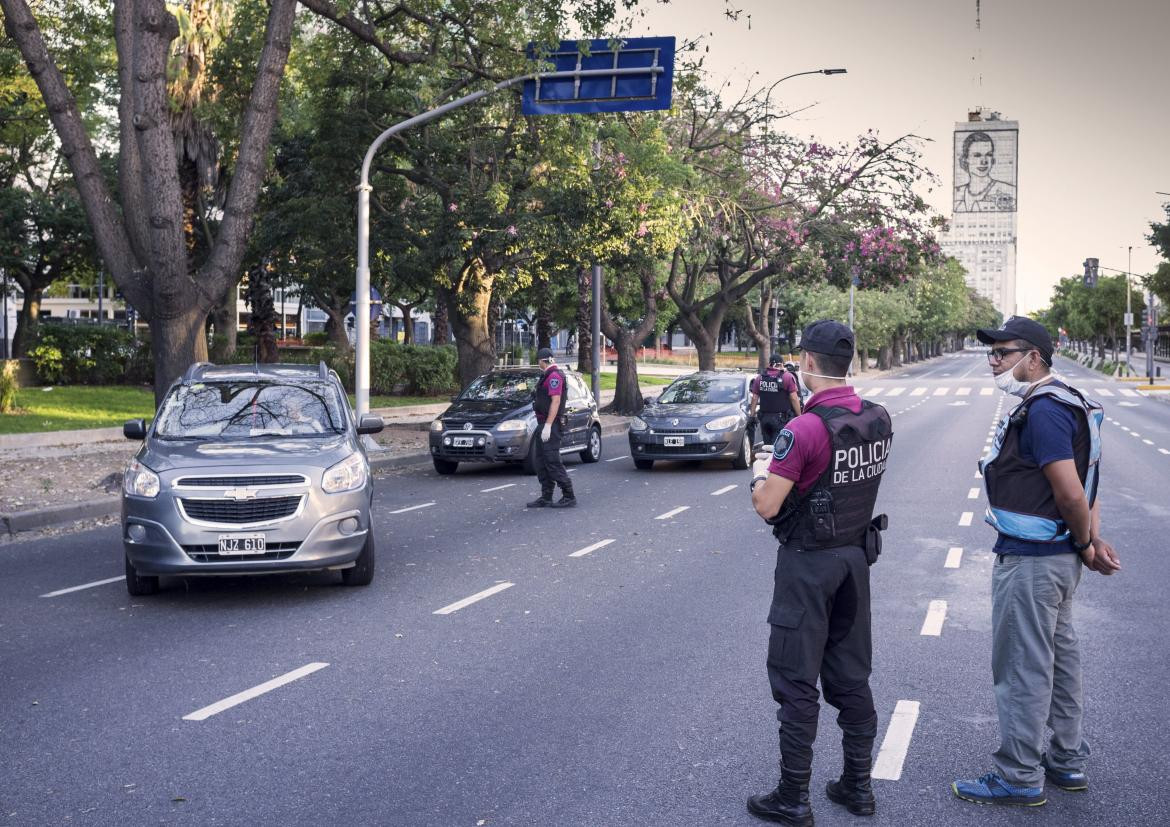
1159,283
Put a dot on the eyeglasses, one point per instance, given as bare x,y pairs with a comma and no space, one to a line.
996,354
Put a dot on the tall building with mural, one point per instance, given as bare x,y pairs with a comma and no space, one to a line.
982,234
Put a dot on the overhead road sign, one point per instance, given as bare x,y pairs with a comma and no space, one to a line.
632,75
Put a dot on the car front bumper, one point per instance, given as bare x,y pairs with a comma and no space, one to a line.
486,446
701,445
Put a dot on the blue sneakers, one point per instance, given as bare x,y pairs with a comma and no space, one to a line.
1072,782
991,789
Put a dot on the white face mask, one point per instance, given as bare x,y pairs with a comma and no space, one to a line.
1009,384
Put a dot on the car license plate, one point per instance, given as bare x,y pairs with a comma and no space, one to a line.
674,441
461,442
230,544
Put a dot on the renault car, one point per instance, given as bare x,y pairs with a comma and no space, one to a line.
698,417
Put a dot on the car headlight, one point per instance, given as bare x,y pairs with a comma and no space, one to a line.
346,475
437,425
140,481
723,423
638,424
513,425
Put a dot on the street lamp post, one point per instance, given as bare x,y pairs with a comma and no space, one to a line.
1128,311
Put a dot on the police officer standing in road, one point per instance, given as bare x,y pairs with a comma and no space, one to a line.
818,487
776,397
1041,476
549,409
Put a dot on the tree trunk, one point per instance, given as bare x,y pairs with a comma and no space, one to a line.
335,327
896,346
705,332
884,361
627,399
473,333
24,338
441,331
584,322
225,323
173,341
759,334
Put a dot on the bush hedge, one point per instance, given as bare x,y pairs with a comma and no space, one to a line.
90,355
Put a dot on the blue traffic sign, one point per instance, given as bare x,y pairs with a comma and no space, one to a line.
636,76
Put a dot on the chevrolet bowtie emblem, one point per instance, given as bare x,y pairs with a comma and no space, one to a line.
240,494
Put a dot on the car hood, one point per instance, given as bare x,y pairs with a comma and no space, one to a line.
485,410
319,452
695,410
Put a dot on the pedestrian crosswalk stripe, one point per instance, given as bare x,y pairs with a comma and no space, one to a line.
963,391
986,391
896,391
1129,392
941,391
892,755
1103,391
918,392
872,391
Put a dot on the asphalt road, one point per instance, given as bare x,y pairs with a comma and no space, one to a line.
619,685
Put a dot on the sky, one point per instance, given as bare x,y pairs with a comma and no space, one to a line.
1089,83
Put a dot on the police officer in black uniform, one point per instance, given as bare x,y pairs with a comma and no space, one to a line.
549,407
776,399
818,487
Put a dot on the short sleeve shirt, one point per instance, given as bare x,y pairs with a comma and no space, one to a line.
553,382
1047,436
786,379
803,449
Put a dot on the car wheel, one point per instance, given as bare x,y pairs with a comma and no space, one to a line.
643,464
362,573
444,466
744,458
529,462
139,584
592,452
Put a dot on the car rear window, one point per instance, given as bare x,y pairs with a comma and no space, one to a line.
697,389
204,410
501,385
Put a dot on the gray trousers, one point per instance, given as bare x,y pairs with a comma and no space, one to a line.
1036,665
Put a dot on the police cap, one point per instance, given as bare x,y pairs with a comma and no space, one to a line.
1020,327
544,355
828,337
775,359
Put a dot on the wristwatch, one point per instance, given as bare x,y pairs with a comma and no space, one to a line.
1079,547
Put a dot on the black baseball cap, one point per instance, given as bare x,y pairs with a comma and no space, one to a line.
775,359
828,337
1020,327
543,354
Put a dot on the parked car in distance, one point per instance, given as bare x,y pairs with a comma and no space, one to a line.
700,416
492,421
249,469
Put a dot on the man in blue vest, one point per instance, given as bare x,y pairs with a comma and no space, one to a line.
817,487
548,405
775,397
1041,476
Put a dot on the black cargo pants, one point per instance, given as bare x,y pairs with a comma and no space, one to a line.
550,468
820,626
770,426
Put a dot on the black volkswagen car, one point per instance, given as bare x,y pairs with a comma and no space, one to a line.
700,416
492,421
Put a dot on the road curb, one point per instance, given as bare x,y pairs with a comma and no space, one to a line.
44,439
54,515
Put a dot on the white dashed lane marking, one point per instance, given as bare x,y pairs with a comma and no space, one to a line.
954,557
1148,441
973,494
496,488
892,755
615,459
475,598
71,589
412,508
1163,451
724,489
248,694
936,614
966,518
588,549
672,512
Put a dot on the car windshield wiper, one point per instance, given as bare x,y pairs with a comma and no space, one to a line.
181,437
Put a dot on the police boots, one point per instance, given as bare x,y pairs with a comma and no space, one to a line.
567,499
788,803
853,790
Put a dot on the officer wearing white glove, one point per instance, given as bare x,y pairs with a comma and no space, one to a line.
549,409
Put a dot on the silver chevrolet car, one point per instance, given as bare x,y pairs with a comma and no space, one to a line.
249,469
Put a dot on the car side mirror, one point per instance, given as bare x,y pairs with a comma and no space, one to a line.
455,398
370,424
134,429
649,400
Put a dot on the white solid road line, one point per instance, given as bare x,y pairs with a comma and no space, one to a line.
496,488
672,512
966,518
892,755
412,508
724,489
935,615
973,494
475,598
986,391
60,592
249,694
963,391
954,557
599,544
941,391
918,392
896,392
1104,392
615,459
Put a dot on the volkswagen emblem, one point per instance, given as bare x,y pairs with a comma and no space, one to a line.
467,426
674,422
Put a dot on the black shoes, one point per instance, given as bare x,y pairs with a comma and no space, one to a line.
784,805
854,794
564,502
540,502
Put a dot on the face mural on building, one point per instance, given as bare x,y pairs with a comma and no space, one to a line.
985,171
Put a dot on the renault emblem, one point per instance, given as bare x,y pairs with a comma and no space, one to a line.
467,426
674,422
